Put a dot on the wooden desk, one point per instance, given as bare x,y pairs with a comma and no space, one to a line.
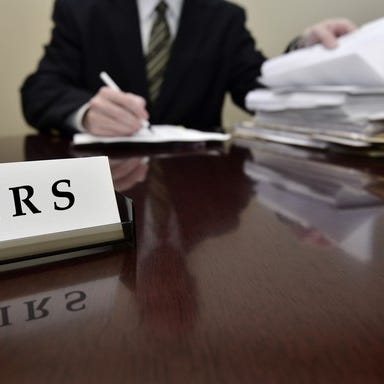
221,289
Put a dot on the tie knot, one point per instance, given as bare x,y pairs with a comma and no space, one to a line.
161,8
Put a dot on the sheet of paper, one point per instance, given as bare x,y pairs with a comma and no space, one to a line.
351,69
358,60
278,136
270,100
158,134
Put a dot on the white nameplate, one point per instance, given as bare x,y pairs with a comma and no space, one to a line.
43,197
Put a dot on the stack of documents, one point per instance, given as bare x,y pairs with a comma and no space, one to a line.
318,96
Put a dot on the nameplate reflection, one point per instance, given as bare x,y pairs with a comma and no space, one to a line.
53,309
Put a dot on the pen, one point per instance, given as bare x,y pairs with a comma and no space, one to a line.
107,80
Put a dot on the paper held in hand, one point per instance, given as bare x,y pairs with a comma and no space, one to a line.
358,60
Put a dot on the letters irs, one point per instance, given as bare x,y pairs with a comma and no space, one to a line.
26,197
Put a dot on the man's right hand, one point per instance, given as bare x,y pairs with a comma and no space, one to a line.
115,113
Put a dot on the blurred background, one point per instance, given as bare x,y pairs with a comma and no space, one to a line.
25,28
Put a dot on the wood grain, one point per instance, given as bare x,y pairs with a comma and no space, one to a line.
229,291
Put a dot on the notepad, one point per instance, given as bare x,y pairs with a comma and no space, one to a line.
157,134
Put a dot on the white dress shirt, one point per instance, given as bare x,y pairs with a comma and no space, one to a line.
147,16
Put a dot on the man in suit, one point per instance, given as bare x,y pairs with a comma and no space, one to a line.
210,53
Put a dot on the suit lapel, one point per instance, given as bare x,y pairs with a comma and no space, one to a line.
192,28
131,62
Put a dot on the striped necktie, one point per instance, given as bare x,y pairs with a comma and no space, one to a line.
158,52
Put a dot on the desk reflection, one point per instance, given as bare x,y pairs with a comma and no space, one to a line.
126,173
46,298
324,203
358,230
173,213
225,298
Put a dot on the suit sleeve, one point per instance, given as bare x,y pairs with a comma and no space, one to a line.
245,60
57,88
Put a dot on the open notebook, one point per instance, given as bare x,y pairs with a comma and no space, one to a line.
157,134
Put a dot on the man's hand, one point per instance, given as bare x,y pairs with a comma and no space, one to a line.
115,113
326,32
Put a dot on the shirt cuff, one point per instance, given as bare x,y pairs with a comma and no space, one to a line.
75,119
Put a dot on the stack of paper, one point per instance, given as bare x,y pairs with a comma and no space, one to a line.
319,96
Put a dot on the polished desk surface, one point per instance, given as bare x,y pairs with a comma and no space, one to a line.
225,287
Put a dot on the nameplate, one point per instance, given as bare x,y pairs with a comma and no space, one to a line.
44,197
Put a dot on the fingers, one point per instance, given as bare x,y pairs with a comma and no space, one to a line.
342,26
327,32
324,36
114,113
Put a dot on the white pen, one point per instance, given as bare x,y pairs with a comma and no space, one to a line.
107,80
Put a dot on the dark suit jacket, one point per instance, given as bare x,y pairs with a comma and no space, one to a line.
212,53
